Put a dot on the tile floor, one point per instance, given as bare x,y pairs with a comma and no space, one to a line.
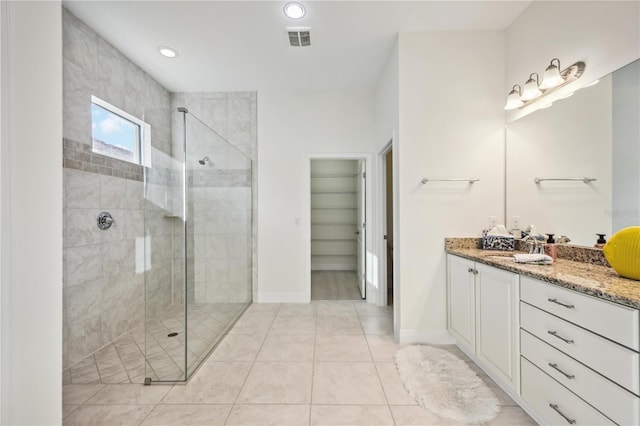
123,360
335,285
323,363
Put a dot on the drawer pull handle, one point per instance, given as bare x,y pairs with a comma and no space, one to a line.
568,376
555,334
557,410
561,304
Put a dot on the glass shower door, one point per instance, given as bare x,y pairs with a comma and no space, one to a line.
219,243
197,247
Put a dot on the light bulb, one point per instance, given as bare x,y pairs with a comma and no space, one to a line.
531,89
513,99
552,77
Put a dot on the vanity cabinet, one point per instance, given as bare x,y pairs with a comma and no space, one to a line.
462,301
579,356
483,316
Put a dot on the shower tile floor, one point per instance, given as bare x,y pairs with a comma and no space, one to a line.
323,363
123,360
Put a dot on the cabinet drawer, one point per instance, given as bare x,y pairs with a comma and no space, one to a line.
616,322
616,362
543,394
616,403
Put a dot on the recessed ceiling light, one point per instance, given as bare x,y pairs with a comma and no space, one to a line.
294,10
167,52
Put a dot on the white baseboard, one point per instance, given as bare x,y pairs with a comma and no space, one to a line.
283,298
334,267
434,337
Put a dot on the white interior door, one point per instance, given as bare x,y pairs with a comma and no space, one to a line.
361,230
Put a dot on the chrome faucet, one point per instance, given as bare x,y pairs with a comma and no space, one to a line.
535,246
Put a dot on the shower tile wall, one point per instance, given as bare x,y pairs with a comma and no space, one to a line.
104,292
220,198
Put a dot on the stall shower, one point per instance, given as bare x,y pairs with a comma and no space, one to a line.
159,275
158,246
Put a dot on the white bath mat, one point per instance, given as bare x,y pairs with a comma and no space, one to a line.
445,385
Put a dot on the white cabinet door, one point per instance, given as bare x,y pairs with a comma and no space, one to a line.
496,321
461,292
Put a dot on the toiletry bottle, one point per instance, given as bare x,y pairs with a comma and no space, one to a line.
601,241
550,248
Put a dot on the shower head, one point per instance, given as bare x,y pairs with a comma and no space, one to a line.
204,161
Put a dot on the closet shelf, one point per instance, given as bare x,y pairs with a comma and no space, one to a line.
334,175
333,223
334,208
333,239
333,192
333,254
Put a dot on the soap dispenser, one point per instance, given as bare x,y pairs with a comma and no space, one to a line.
550,248
601,241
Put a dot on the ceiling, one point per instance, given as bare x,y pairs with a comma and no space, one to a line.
243,45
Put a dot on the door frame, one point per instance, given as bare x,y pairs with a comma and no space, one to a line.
380,228
367,158
361,231
382,225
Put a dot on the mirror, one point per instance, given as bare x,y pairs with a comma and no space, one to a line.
593,134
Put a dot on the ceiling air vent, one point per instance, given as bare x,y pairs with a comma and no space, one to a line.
299,37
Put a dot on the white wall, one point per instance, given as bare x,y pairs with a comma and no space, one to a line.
387,101
603,34
451,126
31,221
292,128
387,120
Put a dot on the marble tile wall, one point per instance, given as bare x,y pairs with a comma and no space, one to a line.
103,289
104,270
233,115
221,234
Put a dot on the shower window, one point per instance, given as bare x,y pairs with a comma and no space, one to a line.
118,134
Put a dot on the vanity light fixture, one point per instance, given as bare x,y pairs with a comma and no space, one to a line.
531,88
553,79
167,52
513,100
294,10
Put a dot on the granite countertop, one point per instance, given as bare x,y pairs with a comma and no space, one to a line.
592,279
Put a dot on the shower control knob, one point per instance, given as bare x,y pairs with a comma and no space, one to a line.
105,220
